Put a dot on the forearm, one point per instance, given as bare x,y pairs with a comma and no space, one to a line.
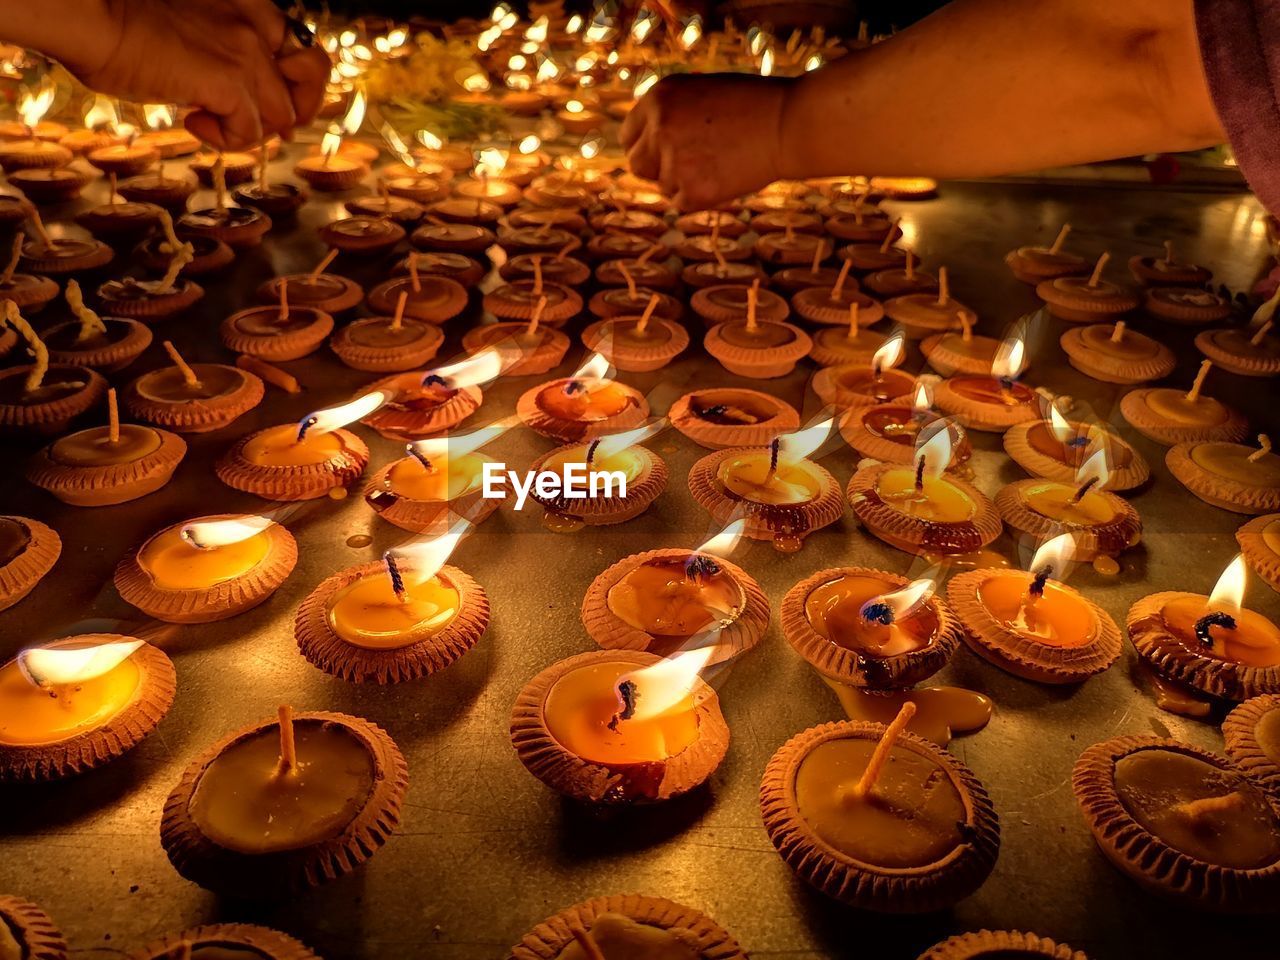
986,87
77,33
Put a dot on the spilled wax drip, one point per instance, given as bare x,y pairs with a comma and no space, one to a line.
1209,620
629,693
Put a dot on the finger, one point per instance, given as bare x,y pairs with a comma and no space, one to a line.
636,122
232,106
644,160
275,104
266,19
305,73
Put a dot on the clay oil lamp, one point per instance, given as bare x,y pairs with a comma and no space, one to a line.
1247,352
1181,822
48,254
49,184
543,239
617,727
725,417
118,219
192,398
781,221
330,171
28,551
632,299
621,925
431,298
207,569
1033,625
888,431
1169,416
487,182
40,397
848,345
220,939
212,167
923,314
642,270
152,300
996,402
607,480
1166,271
722,302
519,299
302,461
402,619
284,805
629,221
1114,354
238,227
317,289
1251,735
565,270
440,479
127,159
620,246
1189,306
27,930
905,188
921,509
363,236
1101,524
159,188
527,348
90,341
156,253
456,266
425,404
586,405
560,218
830,307
796,278
870,629
704,222
790,246
100,119
713,248
579,118
878,818
473,211
754,348
103,466
871,257
1081,300
79,703
966,352
1035,264
274,199
1055,448
997,944
901,281
782,494
1232,476
14,209
282,331
401,210
1259,541
661,600
637,344
26,148
861,225
848,386
387,344
162,133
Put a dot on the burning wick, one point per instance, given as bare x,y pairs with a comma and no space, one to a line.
1216,619
877,611
306,425
700,567
629,694
591,451
1036,590
774,448
1084,488
434,380
574,386
920,465
397,579
420,457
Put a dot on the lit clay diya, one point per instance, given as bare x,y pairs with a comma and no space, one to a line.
878,818
1167,271
868,628
518,299
327,292
440,479
1171,416
1034,264
593,476
888,431
106,344
40,397
1086,300
964,352
28,154
1248,352
1259,541
285,805
620,726
628,925
278,332
1251,735
124,159
760,350
732,417
1056,449
1186,305
726,302
1102,524
274,199
852,385
387,344
1000,945
389,622
207,569
905,188
301,461
420,405
637,344
103,466
78,703
28,551
920,509
992,403
1033,626
226,941
1114,354
28,933
192,398
1231,476
330,171
362,235
782,496
1181,822
1212,644
582,407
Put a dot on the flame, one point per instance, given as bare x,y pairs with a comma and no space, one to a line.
617,442
473,371
574,24
1228,593
517,61
500,12
397,144
590,147
548,70
889,355
537,31
1011,359
34,104
491,161
586,61
509,21
347,38
63,664
530,144
599,29
354,117
519,81
488,38
644,84
692,32
1095,466
1060,426
923,399
935,445
907,600
211,534
665,685
574,106
424,559
101,113
766,62
796,446
642,26
813,63
458,445
430,140
596,367
331,418
1055,554
476,82
382,44
158,116
529,47
329,144
725,542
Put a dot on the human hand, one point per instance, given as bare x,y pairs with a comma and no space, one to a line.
708,138
219,56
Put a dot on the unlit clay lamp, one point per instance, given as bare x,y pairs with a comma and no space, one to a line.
1055,448
207,569
1212,644
965,352
1112,353
1081,300
848,345
118,219
922,314
921,509
1032,624
285,804
1251,735
1166,271
28,551
528,348
302,461
996,402
274,199
45,254
28,291
89,340
584,406
518,299
632,299
1034,264
617,727
154,300
283,331
192,398
157,187
40,397
235,226
226,941
637,344
1248,351
27,931
1000,945
782,495
432,298
1232,476
79,703
900,281
878,818
318,289
387,344
730,417
1181,822
1189,306
1170,416
853,385
723,302
831,307
1259,541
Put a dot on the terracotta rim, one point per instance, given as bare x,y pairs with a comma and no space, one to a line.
984,416
1180,274
1066,304
753,361
882,448
85,485
1242,745
605,304
827,385
500,303
1017,445
1245,364
841,353
426,516
263,940
53,415
1185,313
603,511
112,356
551,348
987,943
287,345
99,255
1220,491
633,358
452,298
1111,369
1033,270
770,308
1264,561
415,424
196,416
350,297
716,436
38,936
949,362
1138,413
303,482
20,575
817,305
568,431
1091,541
373,359
911,533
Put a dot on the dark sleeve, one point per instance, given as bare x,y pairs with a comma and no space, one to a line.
1240,47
